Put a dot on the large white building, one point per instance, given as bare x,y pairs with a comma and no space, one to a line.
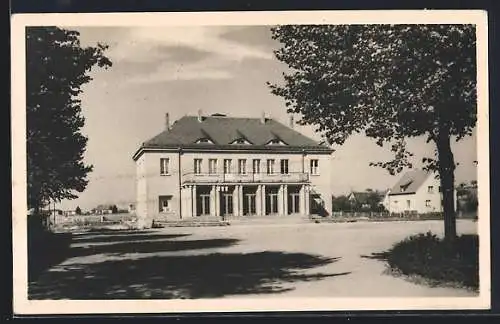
416,191
217,166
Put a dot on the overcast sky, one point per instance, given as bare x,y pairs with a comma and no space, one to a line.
217,69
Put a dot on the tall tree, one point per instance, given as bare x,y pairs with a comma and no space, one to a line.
390,82
57,67
78,210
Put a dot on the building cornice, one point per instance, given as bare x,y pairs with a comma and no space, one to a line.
238,149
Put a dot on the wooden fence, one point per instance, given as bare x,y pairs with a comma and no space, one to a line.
407,215
62,220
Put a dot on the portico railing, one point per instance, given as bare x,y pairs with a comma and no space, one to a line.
293,177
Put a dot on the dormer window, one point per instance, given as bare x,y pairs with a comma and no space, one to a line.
241,141
405,186
204,141
276,141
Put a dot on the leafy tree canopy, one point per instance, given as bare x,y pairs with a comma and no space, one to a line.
390,82
57,67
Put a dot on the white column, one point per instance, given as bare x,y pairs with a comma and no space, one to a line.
308,200
240,199
212,201
280,200
258,200
217,200
236,201
285,199
193,197
302,200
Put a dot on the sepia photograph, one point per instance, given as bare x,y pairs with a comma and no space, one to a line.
250,161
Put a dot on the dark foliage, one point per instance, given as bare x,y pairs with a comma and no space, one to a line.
436,259
56,69
390,82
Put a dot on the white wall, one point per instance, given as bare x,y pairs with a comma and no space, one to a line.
398,203
141,187
422,195
150,184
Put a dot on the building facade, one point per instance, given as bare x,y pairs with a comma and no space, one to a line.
417,191
222,167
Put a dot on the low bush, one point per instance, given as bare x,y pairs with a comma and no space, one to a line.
440,261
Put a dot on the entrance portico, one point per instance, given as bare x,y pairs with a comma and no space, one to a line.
247,200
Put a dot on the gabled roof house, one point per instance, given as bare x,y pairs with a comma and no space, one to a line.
416,191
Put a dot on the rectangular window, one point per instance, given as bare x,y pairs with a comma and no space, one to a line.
227,166
212,166
314,167
284,166
197,166
242,166
408,204
164,166
427,203
256,166
270,166
164,203
430,189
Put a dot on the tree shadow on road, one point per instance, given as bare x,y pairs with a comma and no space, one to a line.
381,256
53,249
172,277
147,246
89,239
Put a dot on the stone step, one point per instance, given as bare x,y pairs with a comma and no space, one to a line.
189,223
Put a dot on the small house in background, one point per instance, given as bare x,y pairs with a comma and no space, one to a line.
69,213
416,191
360,198
368,200
103,210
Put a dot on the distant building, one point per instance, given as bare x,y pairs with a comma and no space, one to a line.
221,166
131,208
360,198
416,191
366,200
103,209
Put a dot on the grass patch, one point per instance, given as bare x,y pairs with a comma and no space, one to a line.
425,257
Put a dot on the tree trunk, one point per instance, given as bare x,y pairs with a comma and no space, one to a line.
446,168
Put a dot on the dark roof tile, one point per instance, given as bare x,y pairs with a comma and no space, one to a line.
410,182
224,130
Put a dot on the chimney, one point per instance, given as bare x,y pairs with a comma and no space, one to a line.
292,123
167,121
200,117
263,118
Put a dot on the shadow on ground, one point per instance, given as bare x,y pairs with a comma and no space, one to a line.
194,276
167,277
382,256
150,246
52,249
91,238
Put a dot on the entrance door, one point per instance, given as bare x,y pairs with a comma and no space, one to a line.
271,203
249,204
293,203
227,204
203,207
